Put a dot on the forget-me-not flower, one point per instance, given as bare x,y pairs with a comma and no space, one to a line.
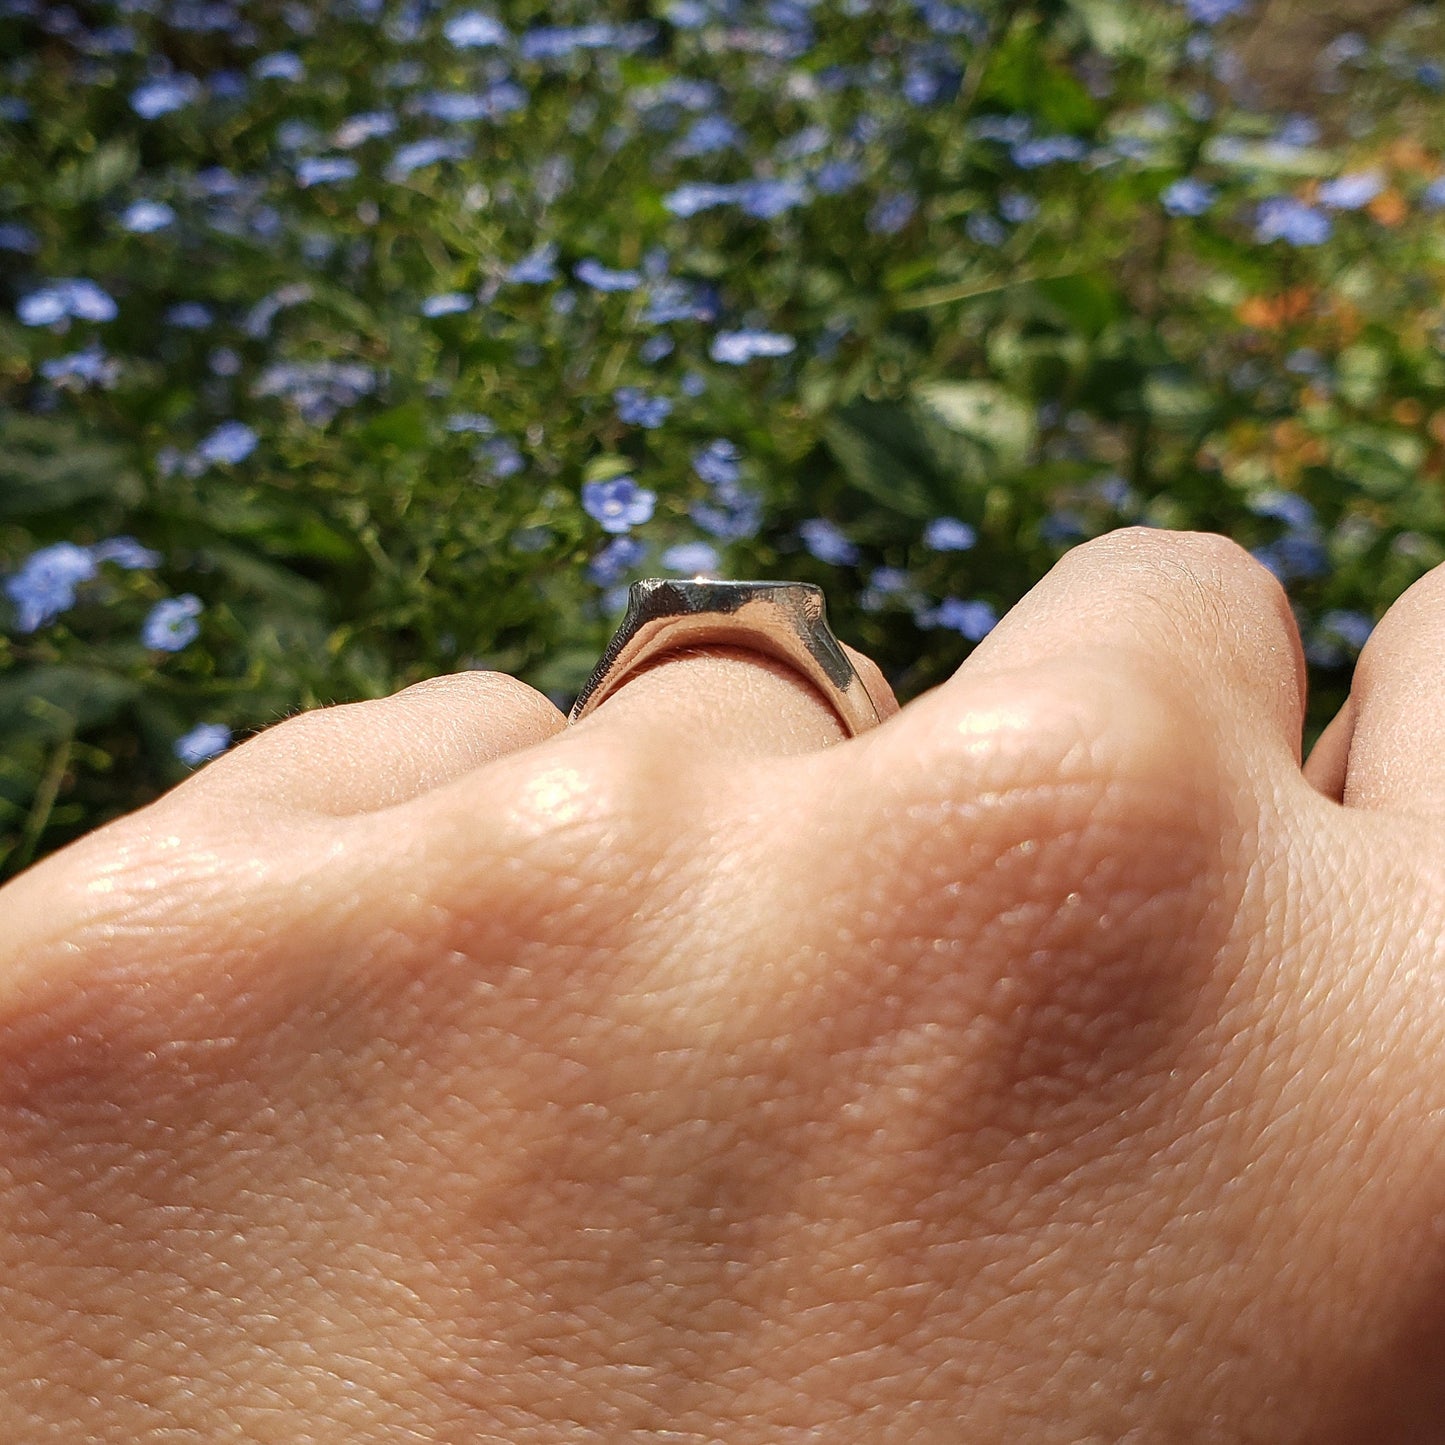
1282,218
614,559
171,624
473,29
1188,197
229,445
125,552
203,742
536,269
693,558
44,587
618,504
61,300
143,217
718,462
638,408
827,542
447,303
593,273
159,97
1352,192
948,534
973,619
734,348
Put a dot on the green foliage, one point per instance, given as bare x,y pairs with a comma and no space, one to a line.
1040,343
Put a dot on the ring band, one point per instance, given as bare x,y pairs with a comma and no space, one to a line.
785,620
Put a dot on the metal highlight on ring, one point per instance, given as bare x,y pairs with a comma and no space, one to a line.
784,620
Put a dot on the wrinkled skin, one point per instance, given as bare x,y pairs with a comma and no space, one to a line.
1059,1061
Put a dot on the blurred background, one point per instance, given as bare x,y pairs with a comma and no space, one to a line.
346,342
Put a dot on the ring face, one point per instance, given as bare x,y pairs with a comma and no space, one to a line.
785,620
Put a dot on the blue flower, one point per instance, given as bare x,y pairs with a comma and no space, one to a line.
61,300
420,153
826,541
834,177
655,348
948,534
17,237
637,408
171,623
1299,132
555,42
718,463
594,274
931,85
323,170
454,106
160,97
732,513
1017,207
230,444
688,200
44,587
891,212
1433,198
470,421
618,504
986,230
190,315
1282,218
318,389
1352,192
502,457
1287,507
143,217
1047,151
81,369
1188,197
767,199
694,558
672,300
125,552
368,125
710,133
1350,627
971,619
1294,555
614,559
447,303
1211,12
734,348
280,65
203,742
538,268
473,29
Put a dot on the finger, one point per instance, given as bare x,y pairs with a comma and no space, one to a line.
1395,751
363,756
729,699
1329,759
1190,614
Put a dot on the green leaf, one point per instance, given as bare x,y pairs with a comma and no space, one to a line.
403,426
884,453
1002,425
47,463
54,700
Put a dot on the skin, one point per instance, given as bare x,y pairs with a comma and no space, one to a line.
1057,1062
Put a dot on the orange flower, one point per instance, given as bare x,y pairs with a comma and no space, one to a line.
1389,208
1274,313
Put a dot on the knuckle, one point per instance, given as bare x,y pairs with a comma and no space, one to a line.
1047,879
1209,568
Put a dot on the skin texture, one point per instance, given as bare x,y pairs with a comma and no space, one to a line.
1057,1062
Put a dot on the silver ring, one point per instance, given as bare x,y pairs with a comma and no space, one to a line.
785,620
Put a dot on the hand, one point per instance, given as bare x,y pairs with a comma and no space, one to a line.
1059,1061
